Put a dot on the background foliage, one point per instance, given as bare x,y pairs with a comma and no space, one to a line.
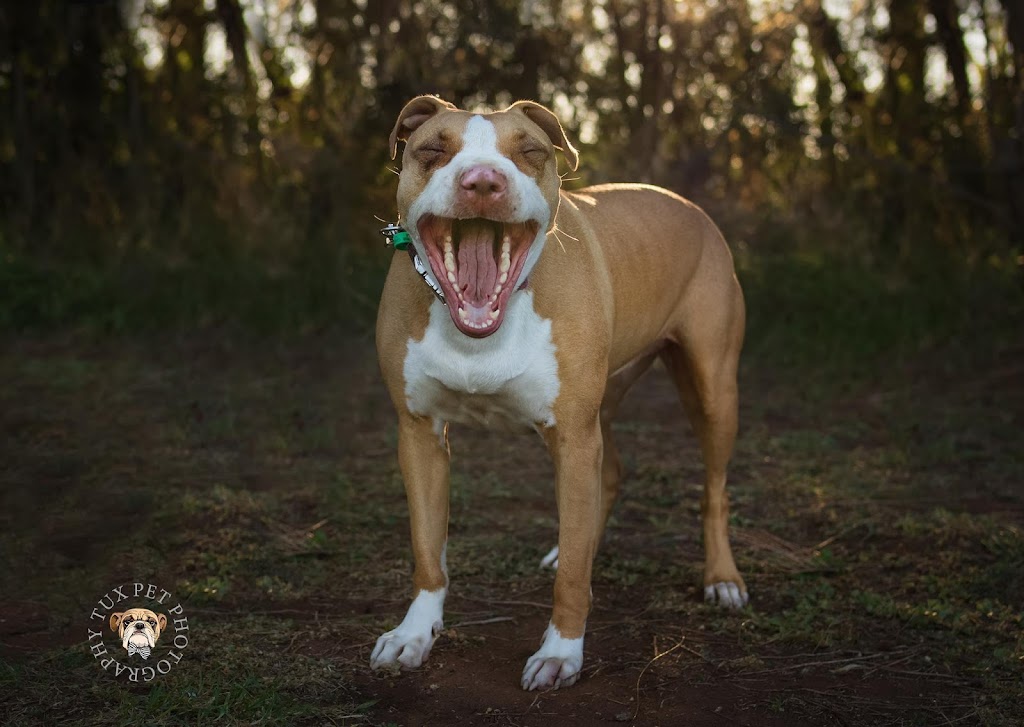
182,161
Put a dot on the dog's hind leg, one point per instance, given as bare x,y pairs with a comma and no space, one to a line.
703,364
611,464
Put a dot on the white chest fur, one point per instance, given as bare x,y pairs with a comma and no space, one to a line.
508,380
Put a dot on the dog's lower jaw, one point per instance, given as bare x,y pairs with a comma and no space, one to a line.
409,644
556,664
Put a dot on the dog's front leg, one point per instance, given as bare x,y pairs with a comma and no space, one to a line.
576,451
423,459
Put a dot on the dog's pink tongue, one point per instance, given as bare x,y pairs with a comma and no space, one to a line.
478,270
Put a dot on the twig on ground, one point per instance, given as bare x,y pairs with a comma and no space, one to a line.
482,622
931,675
804,664
533,604
636,710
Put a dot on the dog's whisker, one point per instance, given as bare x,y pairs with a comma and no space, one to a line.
563,232
558,239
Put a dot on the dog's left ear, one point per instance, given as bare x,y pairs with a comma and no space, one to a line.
115,620
413,116
161,621
548,123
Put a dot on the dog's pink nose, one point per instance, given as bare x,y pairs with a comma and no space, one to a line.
483,181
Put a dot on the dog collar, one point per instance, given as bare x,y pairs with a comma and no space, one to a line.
397,236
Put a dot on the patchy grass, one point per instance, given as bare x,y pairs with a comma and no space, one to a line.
877,516
224,677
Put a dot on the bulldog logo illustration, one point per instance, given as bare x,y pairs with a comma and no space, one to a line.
138,629
138,614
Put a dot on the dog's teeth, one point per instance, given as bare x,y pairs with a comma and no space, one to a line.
449,262
447,241
495,313
497,289
451,277
505,263
463,314
506,244
503,278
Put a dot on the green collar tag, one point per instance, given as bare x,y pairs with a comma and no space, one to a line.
396,236
401,240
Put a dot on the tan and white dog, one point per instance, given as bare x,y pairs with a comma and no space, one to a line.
545,336
139,629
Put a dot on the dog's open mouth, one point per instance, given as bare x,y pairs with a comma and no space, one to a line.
478,263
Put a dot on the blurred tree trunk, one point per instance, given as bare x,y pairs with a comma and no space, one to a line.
904,86
629,41
823,98
651,89
230,14
184,61
14,17
947,25
828,48
905,115
1015,33
826,39
529,49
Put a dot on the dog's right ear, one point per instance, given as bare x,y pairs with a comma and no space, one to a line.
413,116
543,117
115,620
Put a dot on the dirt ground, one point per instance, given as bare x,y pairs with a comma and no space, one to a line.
877,518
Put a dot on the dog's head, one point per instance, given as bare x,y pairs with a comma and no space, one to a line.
478,194
138,627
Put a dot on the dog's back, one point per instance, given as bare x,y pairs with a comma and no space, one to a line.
656,252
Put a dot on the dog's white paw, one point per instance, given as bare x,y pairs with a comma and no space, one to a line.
726,594
409,645
396,648
556,664
550,560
